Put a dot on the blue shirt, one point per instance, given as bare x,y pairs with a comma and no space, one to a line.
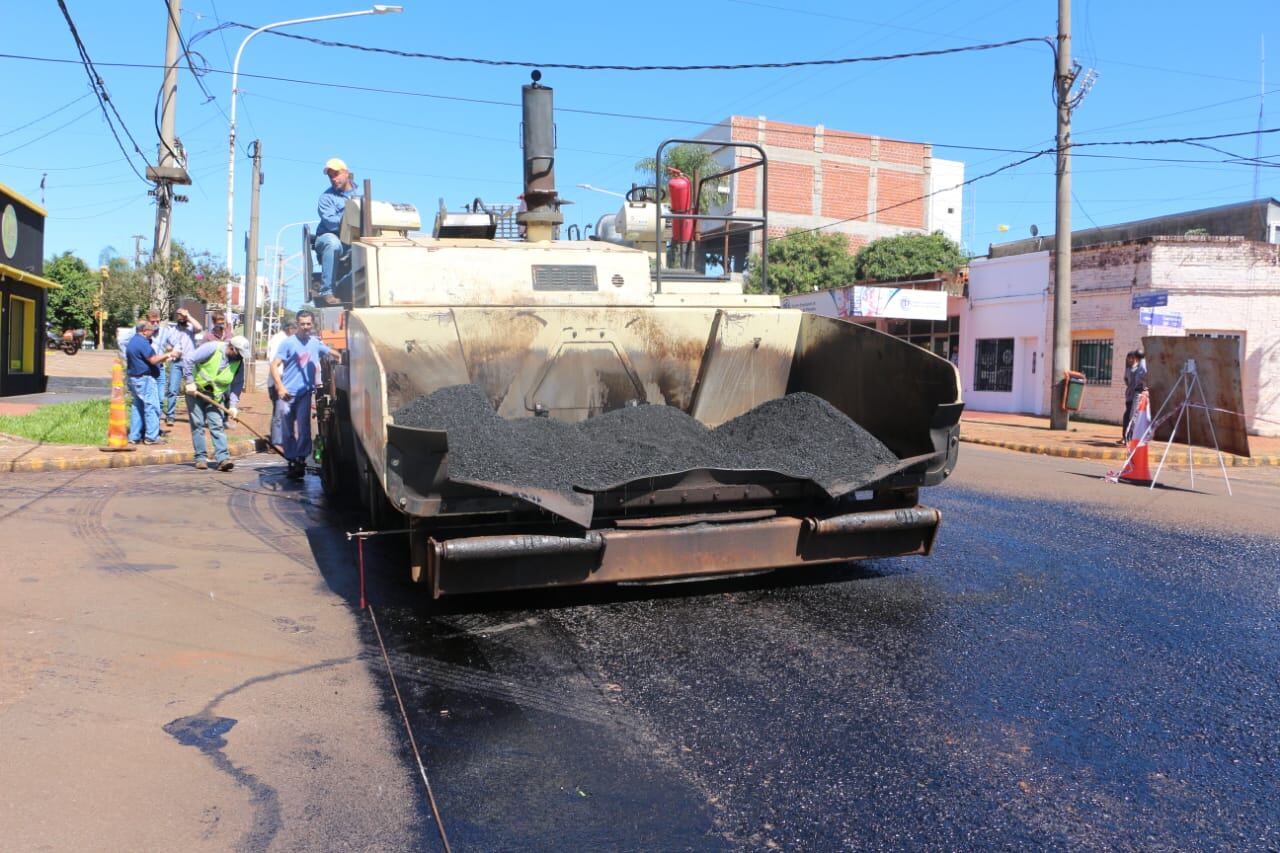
165,338
203,353
136,355
330,207
301,363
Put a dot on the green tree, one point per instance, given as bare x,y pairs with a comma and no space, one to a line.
71,305
197,275
803,261
907,256
126,295
692,160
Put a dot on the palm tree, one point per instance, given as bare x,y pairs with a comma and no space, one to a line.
692,160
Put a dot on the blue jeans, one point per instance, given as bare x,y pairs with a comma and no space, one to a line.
144,418
172,386
328,247
295,422
204,414
277,434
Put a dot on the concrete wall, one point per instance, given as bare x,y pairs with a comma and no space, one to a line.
944,208
1008,298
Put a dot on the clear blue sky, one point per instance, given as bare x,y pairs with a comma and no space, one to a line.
1167,69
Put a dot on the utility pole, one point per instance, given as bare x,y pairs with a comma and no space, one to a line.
251,271
170,168
137,249
279,292
1064,77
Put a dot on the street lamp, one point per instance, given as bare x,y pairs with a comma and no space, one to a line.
279,254
231,141
598,190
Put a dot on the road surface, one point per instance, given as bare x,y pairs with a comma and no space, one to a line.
1079,664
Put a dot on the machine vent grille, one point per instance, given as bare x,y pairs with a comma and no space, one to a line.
564,277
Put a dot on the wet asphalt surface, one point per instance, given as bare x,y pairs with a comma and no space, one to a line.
1054,676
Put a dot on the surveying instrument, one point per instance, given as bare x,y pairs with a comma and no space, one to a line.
1183,392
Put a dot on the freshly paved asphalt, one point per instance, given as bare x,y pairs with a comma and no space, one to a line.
1079,664
1093,670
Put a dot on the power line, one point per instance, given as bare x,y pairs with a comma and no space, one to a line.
1006,167
817,14
72,102
87,112
674,120
745,66
66,168
104,213
104,99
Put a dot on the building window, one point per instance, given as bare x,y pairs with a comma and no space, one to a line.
940,337
22,335
1093,359
993,365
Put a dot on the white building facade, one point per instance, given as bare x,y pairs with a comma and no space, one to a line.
1212,286
1002,334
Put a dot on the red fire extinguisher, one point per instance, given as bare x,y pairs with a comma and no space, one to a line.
680,188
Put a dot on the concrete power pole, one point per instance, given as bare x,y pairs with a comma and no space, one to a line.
1064,77
169,168
251,270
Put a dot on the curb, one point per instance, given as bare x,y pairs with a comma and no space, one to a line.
1105,455
123,460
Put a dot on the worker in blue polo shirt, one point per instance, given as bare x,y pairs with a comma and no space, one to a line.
296,371
142,365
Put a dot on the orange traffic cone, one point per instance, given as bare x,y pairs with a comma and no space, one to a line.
118,419
1136,468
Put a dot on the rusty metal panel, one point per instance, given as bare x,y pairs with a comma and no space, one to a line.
747,362
893,389
698,550
1217,376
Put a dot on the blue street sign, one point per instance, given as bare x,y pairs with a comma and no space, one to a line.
1150,299
1150,317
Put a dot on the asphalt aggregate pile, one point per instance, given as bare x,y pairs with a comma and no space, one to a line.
799,435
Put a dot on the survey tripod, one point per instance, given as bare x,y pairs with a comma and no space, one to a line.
1187,385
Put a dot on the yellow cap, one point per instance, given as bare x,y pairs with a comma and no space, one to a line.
335,164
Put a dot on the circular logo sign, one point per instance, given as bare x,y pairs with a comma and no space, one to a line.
9,230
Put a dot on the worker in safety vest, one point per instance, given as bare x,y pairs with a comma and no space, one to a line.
214,371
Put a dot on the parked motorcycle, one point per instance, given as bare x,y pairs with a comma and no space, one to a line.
70,341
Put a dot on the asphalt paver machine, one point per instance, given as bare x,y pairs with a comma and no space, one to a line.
571,330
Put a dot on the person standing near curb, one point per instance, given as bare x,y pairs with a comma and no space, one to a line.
294,372
142,366
216,370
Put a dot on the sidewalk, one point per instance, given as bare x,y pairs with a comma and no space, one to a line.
1030,434
87,375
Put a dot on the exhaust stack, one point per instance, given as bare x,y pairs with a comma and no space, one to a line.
538,139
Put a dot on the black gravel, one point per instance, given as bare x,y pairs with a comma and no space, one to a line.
799,435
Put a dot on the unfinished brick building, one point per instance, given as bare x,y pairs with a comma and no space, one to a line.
854,184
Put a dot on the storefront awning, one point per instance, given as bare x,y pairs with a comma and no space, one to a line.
7,271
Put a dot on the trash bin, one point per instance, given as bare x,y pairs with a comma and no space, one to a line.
1073,391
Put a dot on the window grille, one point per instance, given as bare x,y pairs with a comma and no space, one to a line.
1093,359
993,365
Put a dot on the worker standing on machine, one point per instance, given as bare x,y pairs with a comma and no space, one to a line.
328,247
294,371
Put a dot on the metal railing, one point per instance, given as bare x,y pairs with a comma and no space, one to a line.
755,223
